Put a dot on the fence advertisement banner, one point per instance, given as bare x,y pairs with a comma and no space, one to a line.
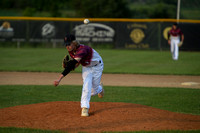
47,31
125,35
94,32
13,31
136,35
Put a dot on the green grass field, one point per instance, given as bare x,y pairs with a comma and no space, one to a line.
115,61
172,99
24,130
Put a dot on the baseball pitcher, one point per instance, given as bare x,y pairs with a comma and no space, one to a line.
174,36
92,68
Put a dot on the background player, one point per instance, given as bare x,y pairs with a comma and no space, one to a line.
174,40
91,71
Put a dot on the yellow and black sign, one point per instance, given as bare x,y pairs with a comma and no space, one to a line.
137,35
122,33
165,32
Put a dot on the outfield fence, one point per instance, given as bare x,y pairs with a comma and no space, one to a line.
121,33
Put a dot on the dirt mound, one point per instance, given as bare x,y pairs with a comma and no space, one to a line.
44,78
104,116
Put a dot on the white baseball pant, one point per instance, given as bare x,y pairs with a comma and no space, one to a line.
91,83
174,48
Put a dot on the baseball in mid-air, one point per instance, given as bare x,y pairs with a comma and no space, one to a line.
86,21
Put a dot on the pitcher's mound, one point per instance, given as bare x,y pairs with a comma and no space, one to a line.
104,116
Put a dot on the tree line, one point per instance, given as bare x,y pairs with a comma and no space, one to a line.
94,8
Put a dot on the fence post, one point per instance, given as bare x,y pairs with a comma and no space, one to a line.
54,44
18,44
159,36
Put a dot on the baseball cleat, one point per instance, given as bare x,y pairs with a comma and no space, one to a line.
84,112
101,94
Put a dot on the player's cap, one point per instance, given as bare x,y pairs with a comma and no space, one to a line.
68,39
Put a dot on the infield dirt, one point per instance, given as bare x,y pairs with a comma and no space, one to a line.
42,78
104,116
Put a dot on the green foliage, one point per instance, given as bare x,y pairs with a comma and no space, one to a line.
190,13
33,6
162,10
170,2
102,8
29,11
157,10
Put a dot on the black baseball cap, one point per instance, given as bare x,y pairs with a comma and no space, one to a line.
68,39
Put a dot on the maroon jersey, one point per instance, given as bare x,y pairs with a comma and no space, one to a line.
175,32
84,52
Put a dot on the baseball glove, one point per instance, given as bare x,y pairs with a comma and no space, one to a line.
180,44
65,61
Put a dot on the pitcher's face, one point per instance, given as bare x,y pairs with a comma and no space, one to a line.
174,27
70,47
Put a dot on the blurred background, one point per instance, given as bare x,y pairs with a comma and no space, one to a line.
126,24
189,9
